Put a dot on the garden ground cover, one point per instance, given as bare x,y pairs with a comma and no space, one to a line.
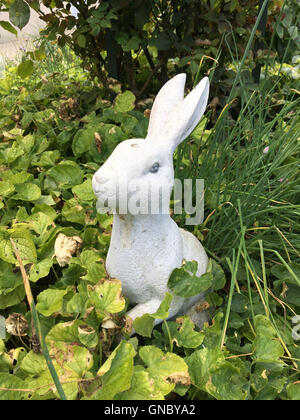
56,128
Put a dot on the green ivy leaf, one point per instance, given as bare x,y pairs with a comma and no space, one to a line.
144,324
88,336
48,158
66,175
81,41
239,303
24,243
27,192
211,373
124,102
33,363
69,360
282,273
83,140
50,301
66,332
8,27
185,283
20,177
6,188
141,388
40,269
185,335
19,13
132,43
12,298
266,346
212,333
74,212
25,69
92,262
84,191
40,222
94,273
12,382
78,303
107,297
14,152
218,281
293,294
8,279
116,373
293,391
166,370
79,360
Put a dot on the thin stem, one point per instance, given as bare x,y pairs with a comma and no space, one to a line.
169,335
37,323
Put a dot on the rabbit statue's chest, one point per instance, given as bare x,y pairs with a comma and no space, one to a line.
143,257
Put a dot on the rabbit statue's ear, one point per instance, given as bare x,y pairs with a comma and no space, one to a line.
167,98
184,117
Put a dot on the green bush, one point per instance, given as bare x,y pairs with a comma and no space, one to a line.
142,42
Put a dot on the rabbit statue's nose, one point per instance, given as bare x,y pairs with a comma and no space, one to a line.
99,176
100,179
98,182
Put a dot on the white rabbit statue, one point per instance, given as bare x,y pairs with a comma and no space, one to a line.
146,248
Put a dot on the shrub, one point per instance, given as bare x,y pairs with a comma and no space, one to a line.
133,41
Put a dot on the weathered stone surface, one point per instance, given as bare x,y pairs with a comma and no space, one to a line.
145,248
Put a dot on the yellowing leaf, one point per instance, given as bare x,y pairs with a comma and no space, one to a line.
11,382
24,243
107,296
166,370
185,335
211,373
116,373
142,387
125,102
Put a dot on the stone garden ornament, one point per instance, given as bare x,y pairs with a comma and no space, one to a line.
146,244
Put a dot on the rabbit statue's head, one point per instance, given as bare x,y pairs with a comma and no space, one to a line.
138,176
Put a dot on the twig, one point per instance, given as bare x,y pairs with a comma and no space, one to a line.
149,58
149,78
238,355
37,323
48,385
17,389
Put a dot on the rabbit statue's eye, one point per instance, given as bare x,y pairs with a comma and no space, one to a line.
155,168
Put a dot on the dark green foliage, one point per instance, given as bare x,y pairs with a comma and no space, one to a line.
142,43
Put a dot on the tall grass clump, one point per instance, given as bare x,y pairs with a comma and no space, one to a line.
249,160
